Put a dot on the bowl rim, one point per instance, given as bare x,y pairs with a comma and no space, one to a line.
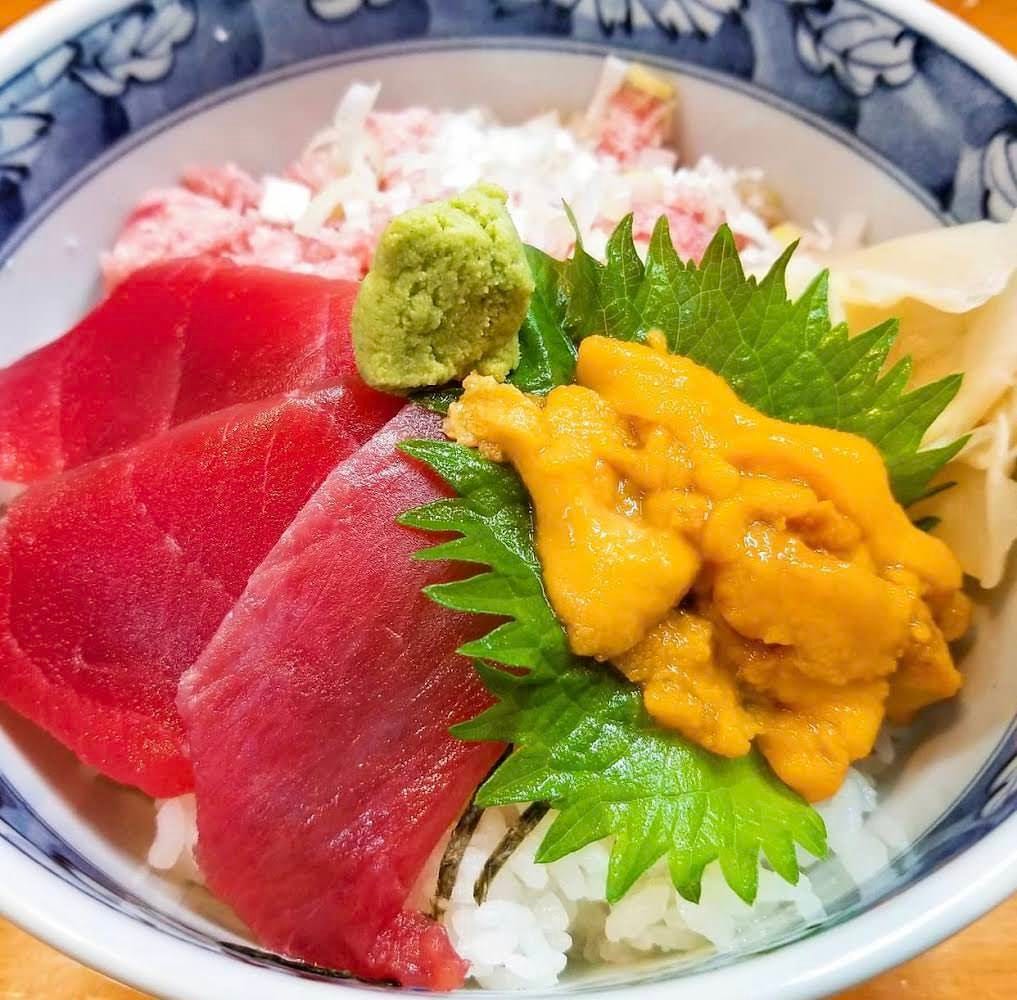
833,959
911,921
30,38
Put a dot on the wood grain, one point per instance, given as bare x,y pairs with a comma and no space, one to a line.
979,962
996,18
11,10
31,971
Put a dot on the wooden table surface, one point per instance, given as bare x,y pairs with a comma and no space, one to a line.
979,962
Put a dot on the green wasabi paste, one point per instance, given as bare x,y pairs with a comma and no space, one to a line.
445,296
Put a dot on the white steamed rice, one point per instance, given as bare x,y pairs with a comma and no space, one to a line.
539,917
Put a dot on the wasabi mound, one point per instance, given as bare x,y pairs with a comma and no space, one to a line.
445,296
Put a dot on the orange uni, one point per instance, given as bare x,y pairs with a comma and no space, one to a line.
756,578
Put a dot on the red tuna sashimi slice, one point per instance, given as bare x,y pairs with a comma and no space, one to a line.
114,576
318,723
175,341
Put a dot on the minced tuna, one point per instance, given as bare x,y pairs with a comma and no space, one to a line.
325,213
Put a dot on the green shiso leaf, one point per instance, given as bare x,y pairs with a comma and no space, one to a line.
492,517
783,357
582,739
437,400
547,354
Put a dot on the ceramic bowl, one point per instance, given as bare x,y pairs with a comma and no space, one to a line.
887,107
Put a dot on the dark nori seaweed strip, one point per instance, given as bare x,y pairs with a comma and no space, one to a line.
448,870
517,833
458,841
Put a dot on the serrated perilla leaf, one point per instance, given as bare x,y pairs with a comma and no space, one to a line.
581,738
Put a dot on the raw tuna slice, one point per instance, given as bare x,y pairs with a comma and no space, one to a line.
114,576
318,722
174,341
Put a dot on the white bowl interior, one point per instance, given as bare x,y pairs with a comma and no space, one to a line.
53,277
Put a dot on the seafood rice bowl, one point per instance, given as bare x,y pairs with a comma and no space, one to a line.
505,551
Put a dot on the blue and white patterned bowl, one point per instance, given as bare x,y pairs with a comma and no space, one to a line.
885,106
